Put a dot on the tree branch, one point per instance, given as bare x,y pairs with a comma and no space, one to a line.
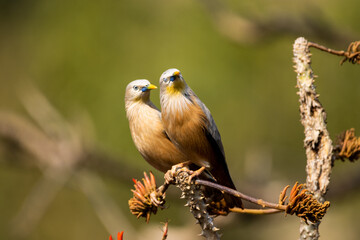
317,143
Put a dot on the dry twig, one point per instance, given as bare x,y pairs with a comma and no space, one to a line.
352,54
165,230
300,203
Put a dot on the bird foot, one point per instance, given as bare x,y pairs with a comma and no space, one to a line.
196,173
158,202
183,164
169,177
170,174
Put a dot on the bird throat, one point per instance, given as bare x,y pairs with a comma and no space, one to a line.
176,88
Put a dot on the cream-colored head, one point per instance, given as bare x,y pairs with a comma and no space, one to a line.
172,82
138,90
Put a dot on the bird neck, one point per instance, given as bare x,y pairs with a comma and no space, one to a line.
133,106
176,88
174,105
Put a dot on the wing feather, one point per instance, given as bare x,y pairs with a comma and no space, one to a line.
211,126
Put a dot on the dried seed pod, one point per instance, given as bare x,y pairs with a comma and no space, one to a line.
304,205
347,146
146,199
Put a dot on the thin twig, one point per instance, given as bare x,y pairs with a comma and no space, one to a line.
255,211
165,230
325,49
241,195
352,54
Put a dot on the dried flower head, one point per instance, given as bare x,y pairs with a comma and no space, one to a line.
146,198
353,53
303,204
347,146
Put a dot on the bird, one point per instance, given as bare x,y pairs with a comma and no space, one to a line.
191,127
151,139
146,127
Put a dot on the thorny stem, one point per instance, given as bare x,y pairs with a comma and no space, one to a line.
182,177
242,196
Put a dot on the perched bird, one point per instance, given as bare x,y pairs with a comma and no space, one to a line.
146,128
190,126
149,135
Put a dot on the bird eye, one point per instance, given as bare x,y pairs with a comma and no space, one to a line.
135,88
165,80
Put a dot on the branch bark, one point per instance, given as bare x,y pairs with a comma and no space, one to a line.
182,177
317,143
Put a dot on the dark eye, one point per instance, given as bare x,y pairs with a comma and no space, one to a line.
135,88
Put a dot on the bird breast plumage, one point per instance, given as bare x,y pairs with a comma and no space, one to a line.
185,123
147,132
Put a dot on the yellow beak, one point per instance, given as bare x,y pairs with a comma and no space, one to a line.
177,73
151,86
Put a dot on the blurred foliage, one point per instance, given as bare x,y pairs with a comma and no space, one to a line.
82,54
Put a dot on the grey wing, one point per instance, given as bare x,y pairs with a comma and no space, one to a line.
211,127
154,107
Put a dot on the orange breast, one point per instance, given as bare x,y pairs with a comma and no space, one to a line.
187,128
147,132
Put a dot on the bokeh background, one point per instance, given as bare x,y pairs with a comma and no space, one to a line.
66,155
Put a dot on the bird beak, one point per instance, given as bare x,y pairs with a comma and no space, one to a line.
151,86
177,73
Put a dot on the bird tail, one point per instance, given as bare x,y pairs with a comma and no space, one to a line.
222,177
224,200
232,201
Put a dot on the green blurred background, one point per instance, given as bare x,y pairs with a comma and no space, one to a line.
81,55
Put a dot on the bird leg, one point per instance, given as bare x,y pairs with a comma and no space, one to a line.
196,173
183,164
169,175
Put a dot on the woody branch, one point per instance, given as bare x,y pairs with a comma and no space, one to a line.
317,143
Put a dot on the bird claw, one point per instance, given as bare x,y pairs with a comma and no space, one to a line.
196,173
170,174
183,164
155,200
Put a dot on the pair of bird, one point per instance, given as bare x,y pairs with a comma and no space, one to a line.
184,130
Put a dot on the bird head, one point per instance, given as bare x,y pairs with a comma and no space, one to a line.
138,90
172,82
